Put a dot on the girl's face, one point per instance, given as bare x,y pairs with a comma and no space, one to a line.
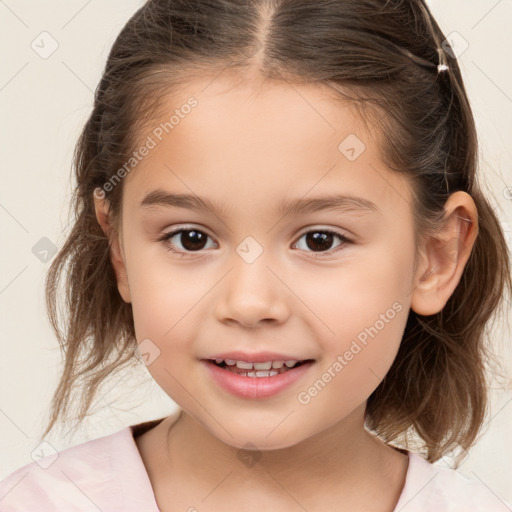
251,275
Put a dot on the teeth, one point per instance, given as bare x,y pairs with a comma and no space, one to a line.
263,366
262,373
267,365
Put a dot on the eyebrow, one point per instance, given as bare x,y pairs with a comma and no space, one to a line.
300,206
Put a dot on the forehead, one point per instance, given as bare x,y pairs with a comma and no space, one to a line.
254,141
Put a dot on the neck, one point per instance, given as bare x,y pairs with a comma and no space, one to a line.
341,468
340,455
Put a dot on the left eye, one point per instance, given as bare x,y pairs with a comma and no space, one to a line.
320,239
194,240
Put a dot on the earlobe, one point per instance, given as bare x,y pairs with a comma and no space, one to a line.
445,255
116,254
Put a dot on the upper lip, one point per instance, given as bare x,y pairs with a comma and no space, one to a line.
256,357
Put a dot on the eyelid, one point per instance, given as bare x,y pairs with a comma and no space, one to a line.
337,231
189,227
344,240
165,237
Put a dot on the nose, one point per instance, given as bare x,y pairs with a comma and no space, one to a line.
252,294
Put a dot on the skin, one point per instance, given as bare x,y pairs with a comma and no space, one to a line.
248,145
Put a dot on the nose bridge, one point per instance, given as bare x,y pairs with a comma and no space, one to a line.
251,292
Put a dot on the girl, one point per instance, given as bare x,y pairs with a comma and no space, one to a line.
277,213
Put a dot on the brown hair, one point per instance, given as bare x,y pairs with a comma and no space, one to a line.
386,53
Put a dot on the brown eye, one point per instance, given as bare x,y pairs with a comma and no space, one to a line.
320,241
186,240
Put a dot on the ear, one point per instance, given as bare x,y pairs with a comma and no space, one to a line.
117,257
444,255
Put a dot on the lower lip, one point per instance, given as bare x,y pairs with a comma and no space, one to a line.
255,387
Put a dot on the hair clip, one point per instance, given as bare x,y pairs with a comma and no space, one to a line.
442,66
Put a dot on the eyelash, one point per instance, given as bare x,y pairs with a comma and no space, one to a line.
165,239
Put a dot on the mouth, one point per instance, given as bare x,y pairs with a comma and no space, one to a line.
258,370
261,380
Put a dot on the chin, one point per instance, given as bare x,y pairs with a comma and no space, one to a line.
258,440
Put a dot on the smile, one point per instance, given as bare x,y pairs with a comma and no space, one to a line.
256,380
258,370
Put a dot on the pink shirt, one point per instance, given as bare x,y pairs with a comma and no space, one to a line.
108,475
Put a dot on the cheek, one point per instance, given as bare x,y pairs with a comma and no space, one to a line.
163,293
356,358
354,296
362,309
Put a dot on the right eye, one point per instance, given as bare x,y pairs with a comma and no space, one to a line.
192,240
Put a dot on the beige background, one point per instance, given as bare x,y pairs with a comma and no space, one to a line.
44,103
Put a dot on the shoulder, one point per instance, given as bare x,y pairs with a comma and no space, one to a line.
90,476
432,488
